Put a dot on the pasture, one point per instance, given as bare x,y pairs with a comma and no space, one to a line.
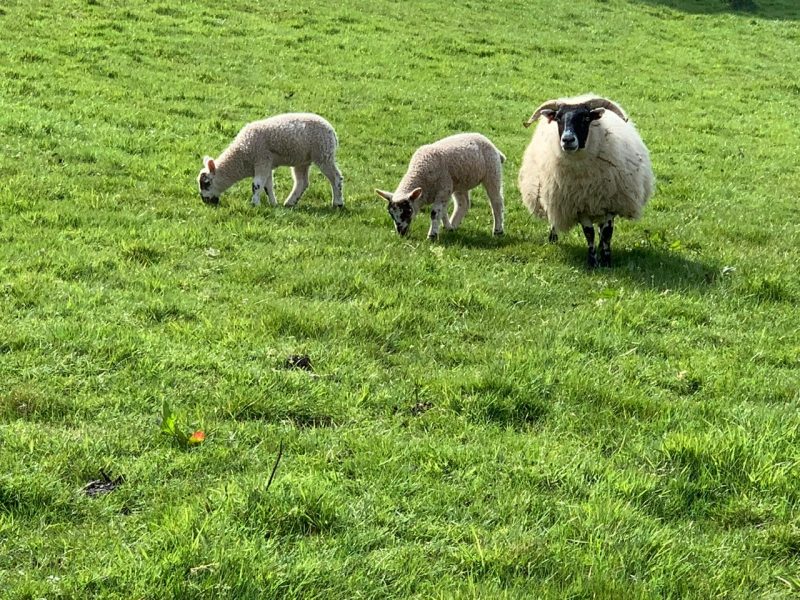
483,417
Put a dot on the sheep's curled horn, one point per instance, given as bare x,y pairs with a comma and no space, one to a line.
590,104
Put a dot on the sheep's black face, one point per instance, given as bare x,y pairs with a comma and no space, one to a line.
573,125
401,212
204,181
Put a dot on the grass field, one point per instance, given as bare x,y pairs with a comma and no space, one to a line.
485,417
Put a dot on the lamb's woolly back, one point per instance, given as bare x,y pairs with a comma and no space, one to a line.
466,159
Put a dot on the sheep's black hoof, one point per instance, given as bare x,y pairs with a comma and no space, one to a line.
591,262
499,233
605,260
433,237
553,237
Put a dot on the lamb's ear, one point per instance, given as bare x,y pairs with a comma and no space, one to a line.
209,163
415,193
597,113
385,195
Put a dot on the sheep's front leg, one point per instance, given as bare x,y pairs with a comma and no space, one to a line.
258,186
438,209
553,237
263,181
588,232
606,231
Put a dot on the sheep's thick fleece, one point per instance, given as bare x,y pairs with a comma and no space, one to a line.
612,175
454,164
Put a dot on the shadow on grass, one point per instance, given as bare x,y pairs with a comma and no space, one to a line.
767,9
475,239
654,267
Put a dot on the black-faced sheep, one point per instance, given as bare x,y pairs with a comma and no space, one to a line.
585,164
451,166
293,139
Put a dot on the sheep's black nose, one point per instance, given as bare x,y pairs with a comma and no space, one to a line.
569,142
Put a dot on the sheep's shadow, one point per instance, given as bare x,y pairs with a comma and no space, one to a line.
658,268
474,239
767,9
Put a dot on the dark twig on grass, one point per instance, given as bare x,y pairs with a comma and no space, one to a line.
275,466
104,485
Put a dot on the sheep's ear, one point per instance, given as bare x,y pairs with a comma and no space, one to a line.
415,193
597,113
209,163
385,195
548,114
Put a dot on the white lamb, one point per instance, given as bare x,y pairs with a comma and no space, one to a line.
585,164
292,139
452,166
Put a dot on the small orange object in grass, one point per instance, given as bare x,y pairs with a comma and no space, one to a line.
197,438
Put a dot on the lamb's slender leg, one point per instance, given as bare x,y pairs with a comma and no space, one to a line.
606,231
262,180
553,237
300,176
494,189
331,171
462,204
258,185
588,232
438,209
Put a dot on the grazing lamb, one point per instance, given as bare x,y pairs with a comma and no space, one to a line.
585,164
292,139
451,166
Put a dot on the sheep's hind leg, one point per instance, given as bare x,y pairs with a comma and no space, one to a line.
588,232
553,237
300,176
331,171
494,189
462,204
606,231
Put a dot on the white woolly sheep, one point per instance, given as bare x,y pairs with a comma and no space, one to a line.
451,166
585,164
292,139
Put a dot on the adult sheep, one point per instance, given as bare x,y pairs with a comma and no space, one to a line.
585,164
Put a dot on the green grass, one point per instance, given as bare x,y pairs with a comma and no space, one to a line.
486,418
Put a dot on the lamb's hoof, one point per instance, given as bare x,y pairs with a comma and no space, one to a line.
498,233
288,204
592,261
339,205
605,261
553,237
432,237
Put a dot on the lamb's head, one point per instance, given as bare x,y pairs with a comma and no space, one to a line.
574,117
402,208
205,182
